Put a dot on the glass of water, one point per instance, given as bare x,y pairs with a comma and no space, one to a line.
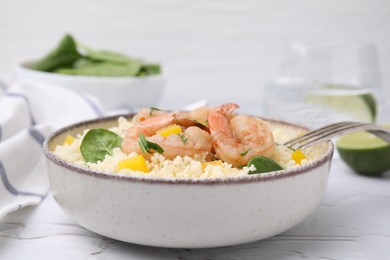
315,86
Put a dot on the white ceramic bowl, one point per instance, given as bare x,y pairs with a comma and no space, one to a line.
184,213
113,92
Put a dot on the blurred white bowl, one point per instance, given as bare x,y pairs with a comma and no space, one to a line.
112,92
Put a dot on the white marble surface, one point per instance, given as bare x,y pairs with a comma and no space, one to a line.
352,222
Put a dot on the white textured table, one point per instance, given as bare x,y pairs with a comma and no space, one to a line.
352,222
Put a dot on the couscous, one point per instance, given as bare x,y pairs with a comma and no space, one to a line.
205,143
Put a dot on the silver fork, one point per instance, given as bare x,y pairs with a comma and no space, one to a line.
330,131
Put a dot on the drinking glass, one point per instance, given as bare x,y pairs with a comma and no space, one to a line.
319,85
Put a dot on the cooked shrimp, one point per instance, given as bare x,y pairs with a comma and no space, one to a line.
145,113
200,114
194,141
237,138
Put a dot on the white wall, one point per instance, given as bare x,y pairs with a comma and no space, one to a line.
213,49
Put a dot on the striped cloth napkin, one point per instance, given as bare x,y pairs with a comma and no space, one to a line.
29,112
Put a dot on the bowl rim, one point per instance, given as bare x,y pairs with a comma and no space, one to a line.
270,176
22,67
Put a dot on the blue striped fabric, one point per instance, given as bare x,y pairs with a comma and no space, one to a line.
99,112
38,136
48,108
11,189
18,95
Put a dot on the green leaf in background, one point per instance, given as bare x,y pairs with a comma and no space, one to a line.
83,62
64,55
104,55
97,143
149,69
112,62
263,164
102,69
77,59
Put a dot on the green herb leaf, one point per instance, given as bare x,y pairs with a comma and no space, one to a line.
152,109
63,56
143,143
147,146
263,164
97,143
245,152
183,138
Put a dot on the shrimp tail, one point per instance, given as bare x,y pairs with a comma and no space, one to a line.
227,109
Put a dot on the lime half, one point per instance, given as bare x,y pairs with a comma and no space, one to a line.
365,153
356,105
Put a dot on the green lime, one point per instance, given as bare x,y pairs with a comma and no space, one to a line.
364,152
358,104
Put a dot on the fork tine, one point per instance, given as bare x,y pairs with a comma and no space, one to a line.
328,132
316,132
322,133
329,135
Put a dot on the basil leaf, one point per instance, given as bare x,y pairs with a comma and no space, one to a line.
63,56
263,164
97,143
147,146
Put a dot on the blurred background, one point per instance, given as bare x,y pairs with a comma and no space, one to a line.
215,50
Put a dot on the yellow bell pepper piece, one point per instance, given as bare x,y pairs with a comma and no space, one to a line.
171,129
298,156
68,140
214,163
137,163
